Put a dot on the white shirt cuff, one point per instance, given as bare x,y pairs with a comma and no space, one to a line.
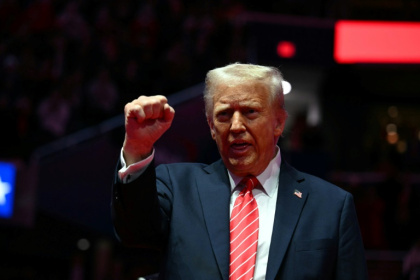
129,173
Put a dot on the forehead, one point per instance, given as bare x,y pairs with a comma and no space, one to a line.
241,94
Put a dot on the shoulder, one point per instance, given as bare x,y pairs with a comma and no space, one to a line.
316,185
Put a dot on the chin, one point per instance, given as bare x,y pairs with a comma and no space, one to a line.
240,169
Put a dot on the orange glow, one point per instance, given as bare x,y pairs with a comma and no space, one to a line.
392,138
377,42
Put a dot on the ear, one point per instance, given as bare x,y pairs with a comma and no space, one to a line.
211,125
281,117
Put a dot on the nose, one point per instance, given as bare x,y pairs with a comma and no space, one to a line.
237,124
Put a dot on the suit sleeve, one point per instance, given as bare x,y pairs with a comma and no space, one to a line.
351,262
137,218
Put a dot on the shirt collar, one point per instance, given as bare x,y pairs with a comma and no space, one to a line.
268,178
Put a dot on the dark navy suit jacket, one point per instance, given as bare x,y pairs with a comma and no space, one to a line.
183,210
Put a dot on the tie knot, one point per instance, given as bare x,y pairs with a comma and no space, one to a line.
250,182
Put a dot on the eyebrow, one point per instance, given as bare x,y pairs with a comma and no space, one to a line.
221,107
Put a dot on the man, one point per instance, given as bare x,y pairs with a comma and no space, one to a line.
302,226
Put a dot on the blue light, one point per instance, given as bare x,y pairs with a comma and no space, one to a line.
7,189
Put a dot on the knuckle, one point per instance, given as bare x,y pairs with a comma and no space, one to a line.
128,107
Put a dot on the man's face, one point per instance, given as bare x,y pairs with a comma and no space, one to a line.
246,127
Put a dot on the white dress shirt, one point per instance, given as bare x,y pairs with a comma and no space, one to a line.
266,199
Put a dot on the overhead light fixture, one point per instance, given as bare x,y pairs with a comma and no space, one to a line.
287,87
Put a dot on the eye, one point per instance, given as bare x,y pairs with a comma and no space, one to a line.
223,116
251,113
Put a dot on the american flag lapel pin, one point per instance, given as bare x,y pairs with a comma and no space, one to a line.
298,193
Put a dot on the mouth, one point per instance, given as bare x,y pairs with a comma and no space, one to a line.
239,146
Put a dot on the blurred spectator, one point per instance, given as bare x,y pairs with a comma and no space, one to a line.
54,115
138,77
411,264
9,12
144,28
370,207
10,85
65,65
58,61
136,47
102,97
72,23
390,191
38,17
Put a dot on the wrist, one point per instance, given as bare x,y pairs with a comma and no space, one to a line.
135,151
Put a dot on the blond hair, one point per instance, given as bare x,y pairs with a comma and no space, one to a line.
237,73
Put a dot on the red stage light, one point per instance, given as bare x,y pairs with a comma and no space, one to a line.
286,49
377,42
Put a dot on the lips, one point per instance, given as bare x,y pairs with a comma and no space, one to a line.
239,146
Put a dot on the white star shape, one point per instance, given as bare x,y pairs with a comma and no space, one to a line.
4,189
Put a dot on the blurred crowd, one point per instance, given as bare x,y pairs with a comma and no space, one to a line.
65,65
69,64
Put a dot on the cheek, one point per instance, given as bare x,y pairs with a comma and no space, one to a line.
219,130
264,137
221,139
213,129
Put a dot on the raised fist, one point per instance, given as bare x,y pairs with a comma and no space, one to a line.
146,119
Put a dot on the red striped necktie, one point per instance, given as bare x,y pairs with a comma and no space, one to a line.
244,224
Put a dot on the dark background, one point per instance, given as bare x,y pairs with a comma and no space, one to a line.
68,67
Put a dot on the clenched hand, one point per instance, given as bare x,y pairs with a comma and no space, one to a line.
146,119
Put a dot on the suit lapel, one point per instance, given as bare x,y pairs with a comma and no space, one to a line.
214,192
288,209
